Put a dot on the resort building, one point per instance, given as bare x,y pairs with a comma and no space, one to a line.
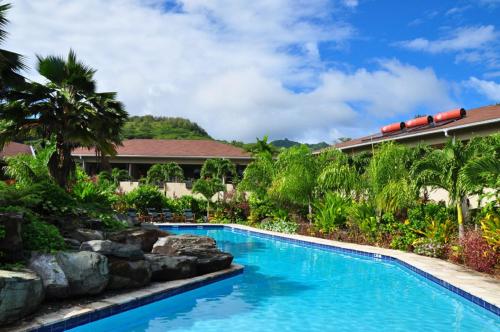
138,155
432,129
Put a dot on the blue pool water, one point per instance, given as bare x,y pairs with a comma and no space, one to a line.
288,287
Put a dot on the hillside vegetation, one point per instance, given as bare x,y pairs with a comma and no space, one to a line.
286,143
162,128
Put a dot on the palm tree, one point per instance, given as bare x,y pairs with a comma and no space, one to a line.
66,109
390,186
163,173
444,169
339,176
10,63
218,168
262,146
208,187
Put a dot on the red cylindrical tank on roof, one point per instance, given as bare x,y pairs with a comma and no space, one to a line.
421,121
392,127
450,115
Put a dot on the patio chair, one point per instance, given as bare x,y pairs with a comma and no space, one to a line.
153,214
167,215
188,215
132,217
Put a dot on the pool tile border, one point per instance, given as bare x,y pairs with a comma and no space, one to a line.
308,243
116,304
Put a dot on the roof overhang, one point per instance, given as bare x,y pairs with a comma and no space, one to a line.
421,134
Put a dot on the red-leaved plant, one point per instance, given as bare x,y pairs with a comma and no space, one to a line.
476,252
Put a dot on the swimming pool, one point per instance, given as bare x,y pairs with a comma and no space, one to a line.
291,287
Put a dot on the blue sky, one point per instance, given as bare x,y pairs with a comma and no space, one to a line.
308,70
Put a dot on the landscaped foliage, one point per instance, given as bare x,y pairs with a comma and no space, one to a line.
382,198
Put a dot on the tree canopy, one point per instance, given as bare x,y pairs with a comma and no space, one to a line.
149,126
66,109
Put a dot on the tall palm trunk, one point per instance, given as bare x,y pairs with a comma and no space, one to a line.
61,164
208,210
460,218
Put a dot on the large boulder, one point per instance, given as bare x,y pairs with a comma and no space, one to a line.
172,244
85,234
165,268
87,272
54,280
203,248
110,248
128,274
20,294
11,246
207,260
142,237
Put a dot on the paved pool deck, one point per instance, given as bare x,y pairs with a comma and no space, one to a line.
475,283
107,305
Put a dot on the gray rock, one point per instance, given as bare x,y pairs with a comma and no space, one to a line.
84,235
144,238
171,244
72,243
203,248
110,248
20,294
165,268
87,272
128,274
11,245
207,259
54,280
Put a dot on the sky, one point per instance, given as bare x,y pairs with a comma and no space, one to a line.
307,70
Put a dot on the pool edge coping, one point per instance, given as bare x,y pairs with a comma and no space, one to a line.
68,318
456,278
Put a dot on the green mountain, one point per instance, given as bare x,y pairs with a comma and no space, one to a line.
162,128
286,143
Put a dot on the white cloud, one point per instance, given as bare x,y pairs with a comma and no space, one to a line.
226,64
462,39
490,89
351,3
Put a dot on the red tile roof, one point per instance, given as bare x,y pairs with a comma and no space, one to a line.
474,117
13,148
173,148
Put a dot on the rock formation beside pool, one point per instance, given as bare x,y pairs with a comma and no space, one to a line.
208,257
110,248
165,268
11,246
20,294
143,237
128,274
87,272
98,261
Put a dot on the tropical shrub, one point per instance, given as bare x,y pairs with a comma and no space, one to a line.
362,216
110,223
259,209
430,247
41,236
87,190
331,213
144,197
476,253
281,225
115,176
490,225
